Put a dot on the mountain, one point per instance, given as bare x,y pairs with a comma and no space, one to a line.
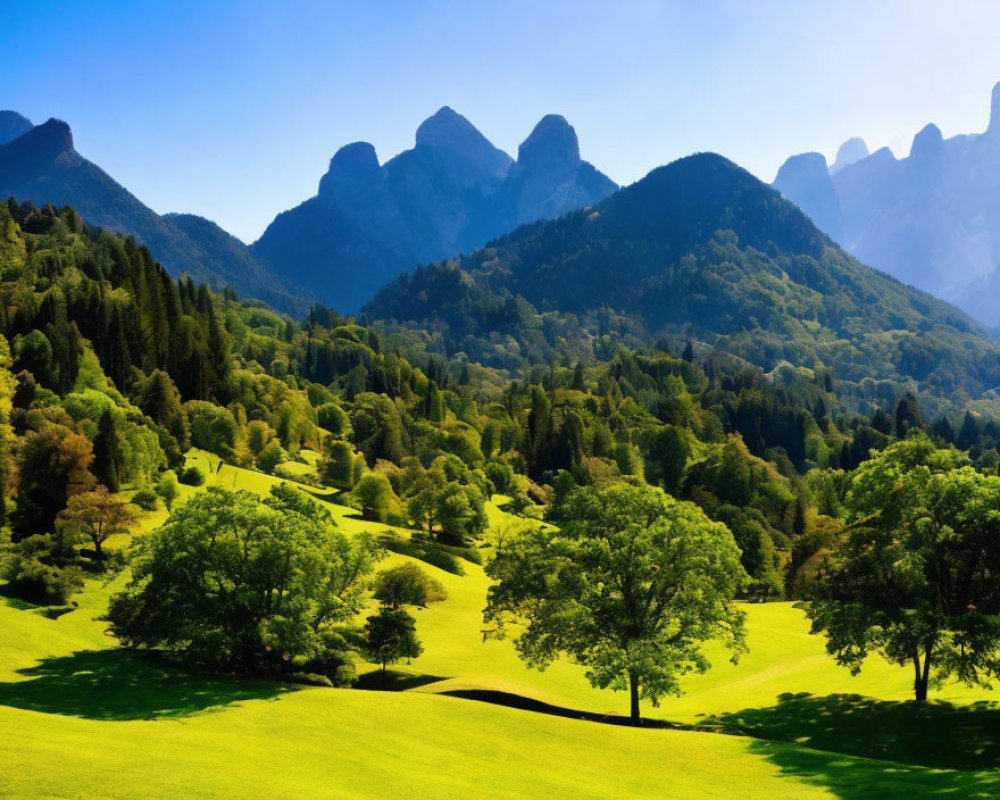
13,125
450,193
931,219
699,249
42,165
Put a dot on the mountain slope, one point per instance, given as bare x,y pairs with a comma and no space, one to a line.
931,219
702,249
42,165
451,193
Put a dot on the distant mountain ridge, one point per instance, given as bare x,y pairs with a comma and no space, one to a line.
40,164
931,219
700,249
452,192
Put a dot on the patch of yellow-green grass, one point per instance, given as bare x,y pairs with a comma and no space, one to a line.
174,735
784,657
77,721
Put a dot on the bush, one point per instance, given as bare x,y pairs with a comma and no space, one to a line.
310,679
407,584
192,476
146,500
29,579
270,457
167,488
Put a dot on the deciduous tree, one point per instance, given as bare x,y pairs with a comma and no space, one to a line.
630,586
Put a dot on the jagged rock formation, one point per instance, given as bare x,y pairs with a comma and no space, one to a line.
452,192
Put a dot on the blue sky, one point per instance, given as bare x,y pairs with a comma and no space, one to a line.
232,110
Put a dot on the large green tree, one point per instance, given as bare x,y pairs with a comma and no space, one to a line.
234,582
917,575
629,586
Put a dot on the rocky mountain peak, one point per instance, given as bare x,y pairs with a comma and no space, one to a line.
353,166
850,152
552,143
927,143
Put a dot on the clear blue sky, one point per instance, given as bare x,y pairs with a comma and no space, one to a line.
233,109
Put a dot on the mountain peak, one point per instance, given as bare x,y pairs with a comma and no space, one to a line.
468,154
13,125
42,144
447,129
995,111
353,166
927,142
553,142
54,136
850,152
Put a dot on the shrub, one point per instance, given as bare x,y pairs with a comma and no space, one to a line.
192,476
145,499
407,584
167,488
29,579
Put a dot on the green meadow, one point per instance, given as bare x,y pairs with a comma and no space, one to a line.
85,718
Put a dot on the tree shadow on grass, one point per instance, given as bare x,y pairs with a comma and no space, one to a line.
523,703
119,684
394,681
869,779
931,734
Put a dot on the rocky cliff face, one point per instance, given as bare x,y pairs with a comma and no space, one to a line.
452,192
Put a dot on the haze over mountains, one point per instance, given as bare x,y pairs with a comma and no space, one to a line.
931,219
452,192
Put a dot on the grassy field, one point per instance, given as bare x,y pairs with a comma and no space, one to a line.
82,718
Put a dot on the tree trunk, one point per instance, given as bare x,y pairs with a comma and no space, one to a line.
633,686
921,676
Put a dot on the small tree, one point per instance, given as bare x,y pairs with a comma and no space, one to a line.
52,467
390,635
166,488
374,497
630,587
96,515
915,578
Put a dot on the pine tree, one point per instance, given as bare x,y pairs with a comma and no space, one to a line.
108,459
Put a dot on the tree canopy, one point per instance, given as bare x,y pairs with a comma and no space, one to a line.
233,582
630,586
915,578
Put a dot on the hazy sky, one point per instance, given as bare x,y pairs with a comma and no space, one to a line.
232,110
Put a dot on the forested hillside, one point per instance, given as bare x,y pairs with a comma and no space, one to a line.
699,250
115,369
